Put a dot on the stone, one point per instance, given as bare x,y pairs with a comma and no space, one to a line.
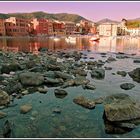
86,103
127,86
25,108
54,82
111,59
43,90
99,100
7,68
31,79
136,61
2,115
43,49
68,84
121,107
25,92
4,98
63,75
135,75
122,73
80,80
80,72
98,73
57,110
89,86
108,68
60,93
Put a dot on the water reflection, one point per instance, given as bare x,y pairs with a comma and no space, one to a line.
106,44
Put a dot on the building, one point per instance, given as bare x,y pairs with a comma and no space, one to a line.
59,28
2,27
108,29
17,26
133,31
70,27
41,27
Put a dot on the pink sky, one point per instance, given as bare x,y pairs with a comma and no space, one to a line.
90,10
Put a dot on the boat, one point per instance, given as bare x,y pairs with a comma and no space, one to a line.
95,38
70,39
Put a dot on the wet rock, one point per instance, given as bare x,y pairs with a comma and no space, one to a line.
80,72
122,73
54,82
80,80
43,90
100,63
127,86
121,56
89,86
68,84
110,59
31,79
10,67
52,67
50,74
98,73
65,76
7,129
108,68
137,61
2,115
121,107
25,108
57,110
135,75
25,92
84,102
99,100
60,93
4,98
42,49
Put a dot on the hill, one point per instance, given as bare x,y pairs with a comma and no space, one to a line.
60,16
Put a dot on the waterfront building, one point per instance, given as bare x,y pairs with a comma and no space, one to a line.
59,28
2,27
17,26
70,27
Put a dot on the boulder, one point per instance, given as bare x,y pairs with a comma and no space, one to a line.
25,108
136,61
98,73
135,75
4,98
63,75
86,103
111,59
122,73
68,84
2,115
60,93
43,90
7,68
80,80
31,79
89,86
53,82
127,86
121,107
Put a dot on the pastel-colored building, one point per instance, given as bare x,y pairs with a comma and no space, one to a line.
70,27
41,27
17,26
2,27
59,28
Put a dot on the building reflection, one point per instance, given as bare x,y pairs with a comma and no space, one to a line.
106,44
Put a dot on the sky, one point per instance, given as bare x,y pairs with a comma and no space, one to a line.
91,10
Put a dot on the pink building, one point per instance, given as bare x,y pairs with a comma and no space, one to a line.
2,27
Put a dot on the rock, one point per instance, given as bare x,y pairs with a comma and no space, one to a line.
84,102
10,67
89,86
121,107
57,110
2,115
68,84
60,93
42,49
121,56
108,68
31,79
137,61
80,80
80,72
98,73
25,108
54,82
4,98
122,73
50,74
110,59
127,86
25,92
43,90
99,100
135,75
63,75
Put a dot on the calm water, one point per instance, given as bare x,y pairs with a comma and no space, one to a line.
107,44
74,120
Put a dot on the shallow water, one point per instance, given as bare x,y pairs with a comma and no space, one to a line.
73,121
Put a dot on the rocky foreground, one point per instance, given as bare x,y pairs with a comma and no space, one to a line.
25,73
